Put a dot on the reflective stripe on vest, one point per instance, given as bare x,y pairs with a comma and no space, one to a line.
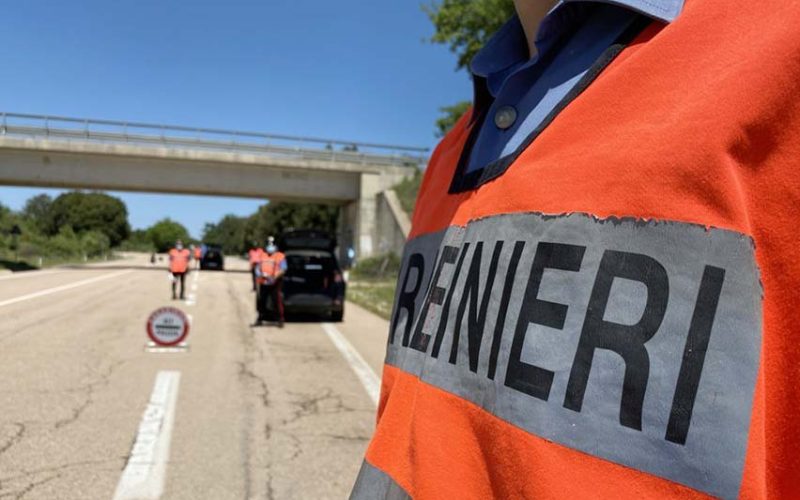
373,483
594,334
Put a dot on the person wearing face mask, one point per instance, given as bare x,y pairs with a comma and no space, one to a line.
179,258
269,274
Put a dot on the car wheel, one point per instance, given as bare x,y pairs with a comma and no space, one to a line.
337,316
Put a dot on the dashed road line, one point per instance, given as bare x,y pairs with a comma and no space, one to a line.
61,288
191,299
145,471
369,379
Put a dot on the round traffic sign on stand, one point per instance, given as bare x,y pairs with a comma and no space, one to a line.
167,326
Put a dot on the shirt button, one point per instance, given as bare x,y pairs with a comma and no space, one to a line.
505,117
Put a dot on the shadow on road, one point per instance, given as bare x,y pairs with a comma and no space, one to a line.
295,318
15,266
138,267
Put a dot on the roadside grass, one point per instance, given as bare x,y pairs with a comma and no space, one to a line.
375,296
372,283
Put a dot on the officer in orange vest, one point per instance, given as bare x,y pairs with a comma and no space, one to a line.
254,256
198,254
599,294
179,265
269,275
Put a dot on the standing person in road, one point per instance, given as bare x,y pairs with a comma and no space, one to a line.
270,273
599,295
197,254
179,265
254,256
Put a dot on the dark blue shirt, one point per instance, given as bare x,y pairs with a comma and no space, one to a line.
522,91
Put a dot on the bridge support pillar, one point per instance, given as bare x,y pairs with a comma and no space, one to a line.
361,216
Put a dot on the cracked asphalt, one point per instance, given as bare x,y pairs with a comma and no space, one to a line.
261,413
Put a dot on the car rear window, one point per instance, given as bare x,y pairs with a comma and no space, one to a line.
310,260
307,241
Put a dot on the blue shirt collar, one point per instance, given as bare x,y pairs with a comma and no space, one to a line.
508,46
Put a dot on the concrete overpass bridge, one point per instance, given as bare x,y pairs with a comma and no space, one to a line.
63,152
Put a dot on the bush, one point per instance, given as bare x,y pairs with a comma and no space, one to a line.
65,244
138,241
407,191
95,244
42,241
378,267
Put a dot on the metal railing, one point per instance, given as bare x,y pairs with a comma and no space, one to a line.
284,146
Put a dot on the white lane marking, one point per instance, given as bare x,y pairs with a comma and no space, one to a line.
61,288
369,379
191,299
143,476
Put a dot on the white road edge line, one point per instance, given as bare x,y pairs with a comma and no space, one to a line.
369,379
61,288
145,471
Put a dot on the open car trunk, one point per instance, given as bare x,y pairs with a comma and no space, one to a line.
309,271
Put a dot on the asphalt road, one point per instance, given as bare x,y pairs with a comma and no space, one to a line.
89,412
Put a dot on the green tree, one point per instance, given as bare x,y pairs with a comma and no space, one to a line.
94,243
6,216
464,26
275,218
37,211
165,232
5,228
90,212
229,233
138,241
449,117
65,244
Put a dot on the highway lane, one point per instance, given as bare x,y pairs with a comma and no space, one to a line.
259,412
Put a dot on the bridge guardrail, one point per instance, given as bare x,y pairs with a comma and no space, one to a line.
120,132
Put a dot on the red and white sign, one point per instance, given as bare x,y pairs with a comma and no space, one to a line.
167,326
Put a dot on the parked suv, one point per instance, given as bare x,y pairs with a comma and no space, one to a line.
313,282
212,258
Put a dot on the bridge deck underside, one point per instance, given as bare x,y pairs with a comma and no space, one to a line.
126,168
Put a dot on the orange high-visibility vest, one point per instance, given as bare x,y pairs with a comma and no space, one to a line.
179,260
271,264
614,313
255,255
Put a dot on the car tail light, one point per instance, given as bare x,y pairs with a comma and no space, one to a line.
337,277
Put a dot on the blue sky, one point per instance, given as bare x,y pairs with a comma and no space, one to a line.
355,69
